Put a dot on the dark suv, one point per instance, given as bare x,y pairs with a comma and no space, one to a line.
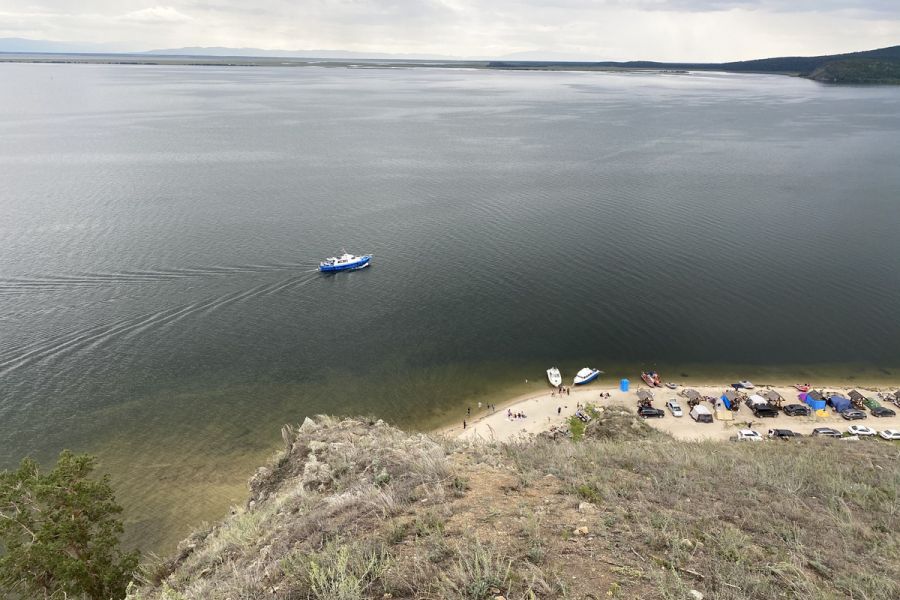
649,411
826,432
782,434
765,410
797,410
881,411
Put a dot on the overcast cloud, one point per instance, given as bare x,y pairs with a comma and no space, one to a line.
690,30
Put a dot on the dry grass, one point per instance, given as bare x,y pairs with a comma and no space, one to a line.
355,509
814,519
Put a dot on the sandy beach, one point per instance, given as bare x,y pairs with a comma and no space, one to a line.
546,409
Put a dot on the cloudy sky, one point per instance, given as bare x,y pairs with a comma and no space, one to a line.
692,30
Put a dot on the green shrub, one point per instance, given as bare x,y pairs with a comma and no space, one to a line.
60,533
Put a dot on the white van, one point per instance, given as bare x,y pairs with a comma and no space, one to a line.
701,414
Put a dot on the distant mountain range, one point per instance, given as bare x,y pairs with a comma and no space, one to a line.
26,46
259,52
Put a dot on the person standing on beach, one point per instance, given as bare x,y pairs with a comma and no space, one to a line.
468,411
464,423
559,410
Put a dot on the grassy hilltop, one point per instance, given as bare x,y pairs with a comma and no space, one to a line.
858,71
358,509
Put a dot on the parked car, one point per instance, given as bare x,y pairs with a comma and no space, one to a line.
861,430
748,435
881,411
674,408
650,412
782,434
797,410
890,434
853,414
765,410
826,432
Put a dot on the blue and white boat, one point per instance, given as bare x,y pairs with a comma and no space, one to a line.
345,262
586,375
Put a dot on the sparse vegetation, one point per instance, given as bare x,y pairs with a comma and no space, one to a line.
624,513
337,572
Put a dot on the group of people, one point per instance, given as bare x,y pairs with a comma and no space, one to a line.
562,390
490,407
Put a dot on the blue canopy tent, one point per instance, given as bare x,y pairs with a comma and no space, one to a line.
839,403
814,400
729,398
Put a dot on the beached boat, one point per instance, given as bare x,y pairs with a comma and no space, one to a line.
671,385
651,378
554,377
345,262
586,375
802,387
746,384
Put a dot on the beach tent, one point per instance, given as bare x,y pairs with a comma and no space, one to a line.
722,412
856,396
729,398
814,400
773,397
701,414
644,395
756,400
839,403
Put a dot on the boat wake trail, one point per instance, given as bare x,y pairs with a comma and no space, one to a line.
90,338
19,285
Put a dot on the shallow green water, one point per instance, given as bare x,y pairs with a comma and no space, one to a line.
160,227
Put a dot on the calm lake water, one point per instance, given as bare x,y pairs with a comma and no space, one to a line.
160,228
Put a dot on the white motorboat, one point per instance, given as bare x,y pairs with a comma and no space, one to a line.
586,375
554,377
746,384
